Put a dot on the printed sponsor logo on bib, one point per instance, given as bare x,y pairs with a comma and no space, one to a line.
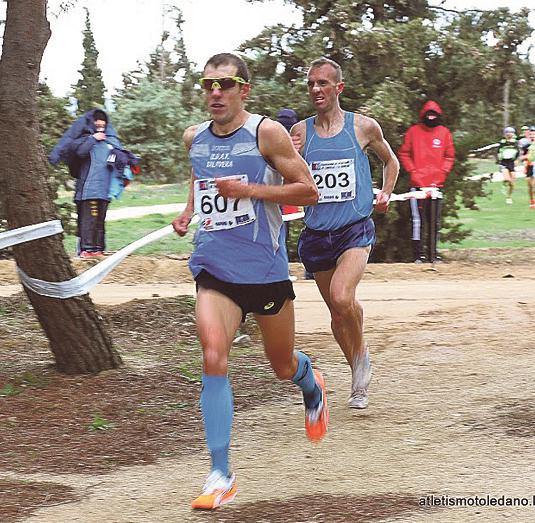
335,179
219,213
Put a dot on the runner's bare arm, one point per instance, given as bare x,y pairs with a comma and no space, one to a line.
374,140
276,147
299,135
182,221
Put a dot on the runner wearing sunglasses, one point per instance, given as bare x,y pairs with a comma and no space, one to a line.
243,167
339,232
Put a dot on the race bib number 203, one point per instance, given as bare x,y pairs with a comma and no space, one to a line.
219,213
335,179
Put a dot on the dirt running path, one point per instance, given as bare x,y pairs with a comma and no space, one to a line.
451,413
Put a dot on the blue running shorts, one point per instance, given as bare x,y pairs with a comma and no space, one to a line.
320,250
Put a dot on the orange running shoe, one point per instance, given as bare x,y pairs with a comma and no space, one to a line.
317,420
218,490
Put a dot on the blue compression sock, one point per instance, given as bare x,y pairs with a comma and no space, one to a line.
304,378
217,410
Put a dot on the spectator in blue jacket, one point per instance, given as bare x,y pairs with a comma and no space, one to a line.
101,166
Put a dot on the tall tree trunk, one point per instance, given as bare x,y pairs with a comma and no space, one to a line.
506,96
76,333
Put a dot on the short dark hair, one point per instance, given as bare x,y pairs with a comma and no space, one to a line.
327,61
230,59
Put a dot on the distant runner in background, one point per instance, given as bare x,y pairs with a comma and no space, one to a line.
506,155
528,156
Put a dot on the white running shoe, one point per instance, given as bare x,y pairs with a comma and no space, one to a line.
361,376
218,490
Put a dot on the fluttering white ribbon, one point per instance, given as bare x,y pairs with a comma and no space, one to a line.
89,278
82,283
422,194
30,232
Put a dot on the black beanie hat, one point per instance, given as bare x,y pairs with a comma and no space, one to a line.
98,114
287,117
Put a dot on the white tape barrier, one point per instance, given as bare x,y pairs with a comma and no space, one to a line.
293,216
486,148
422,194
30,232
88,279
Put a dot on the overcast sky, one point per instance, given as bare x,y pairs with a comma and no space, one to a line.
129,30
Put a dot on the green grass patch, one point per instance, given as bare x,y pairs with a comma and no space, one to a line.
497,224
139,194
123,232
100,423
191,371
483,166
494,225
19,383
9,389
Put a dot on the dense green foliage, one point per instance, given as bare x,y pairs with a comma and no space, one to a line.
151,119
54,118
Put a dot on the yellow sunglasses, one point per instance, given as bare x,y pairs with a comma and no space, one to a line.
227,82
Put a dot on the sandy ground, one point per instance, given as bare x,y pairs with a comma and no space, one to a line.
451,406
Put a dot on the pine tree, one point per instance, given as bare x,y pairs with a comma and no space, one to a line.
184,65
89,91
168,65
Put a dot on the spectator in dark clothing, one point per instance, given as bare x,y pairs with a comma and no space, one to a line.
288,118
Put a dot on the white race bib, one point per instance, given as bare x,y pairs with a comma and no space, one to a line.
335,179
218,213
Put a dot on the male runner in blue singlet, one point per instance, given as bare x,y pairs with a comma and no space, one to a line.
339,232
243,167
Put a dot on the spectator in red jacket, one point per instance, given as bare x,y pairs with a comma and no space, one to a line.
427,154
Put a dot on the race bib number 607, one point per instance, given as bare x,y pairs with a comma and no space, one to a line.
219,213
335,179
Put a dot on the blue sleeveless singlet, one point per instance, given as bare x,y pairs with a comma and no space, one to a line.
248,251
334,163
